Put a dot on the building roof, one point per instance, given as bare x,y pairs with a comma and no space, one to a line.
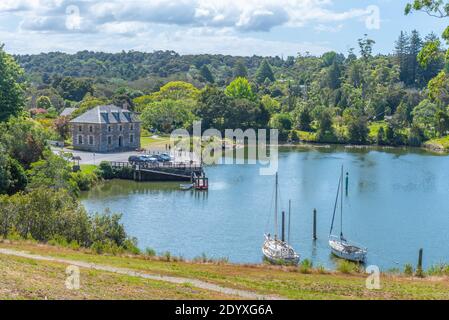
107,114
67,112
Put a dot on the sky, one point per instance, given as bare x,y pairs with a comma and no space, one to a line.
236,27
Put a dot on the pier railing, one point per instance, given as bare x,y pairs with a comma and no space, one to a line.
158,165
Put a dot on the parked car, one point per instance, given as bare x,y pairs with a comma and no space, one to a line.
148,159
134,159
165,157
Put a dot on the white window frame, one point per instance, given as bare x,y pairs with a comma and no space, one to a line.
91,129
93,140
112,140
78,139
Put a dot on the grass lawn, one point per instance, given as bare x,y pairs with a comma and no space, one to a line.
23,278
283,281
88,168
154,142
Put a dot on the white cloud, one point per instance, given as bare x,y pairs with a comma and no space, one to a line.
242,15
187,25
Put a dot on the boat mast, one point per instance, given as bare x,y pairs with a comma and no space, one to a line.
289,218
335,206
276,208
341,204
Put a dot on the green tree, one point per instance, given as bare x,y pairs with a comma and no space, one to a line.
167,115
282,122
206,74
11,91
240,88
434,8
24,140
176,90
264,72
52,172
44,102
442,122
304,119
358,130
424,115
366,47
272,105
240,70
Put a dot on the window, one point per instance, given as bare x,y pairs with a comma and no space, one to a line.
131,127
131,138
91,129
109,128
109,140
80,139
120,127
91,140
80,128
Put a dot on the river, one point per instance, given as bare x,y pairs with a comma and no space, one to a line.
398,202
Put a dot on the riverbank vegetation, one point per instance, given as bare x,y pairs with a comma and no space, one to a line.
304,282
38,188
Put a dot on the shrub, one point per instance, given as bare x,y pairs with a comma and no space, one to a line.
85,181
408,270
106,170
150,252
306,266
347,267
167,256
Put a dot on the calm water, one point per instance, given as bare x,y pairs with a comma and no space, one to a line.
398,202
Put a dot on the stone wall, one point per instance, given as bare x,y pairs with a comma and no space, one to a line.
103,138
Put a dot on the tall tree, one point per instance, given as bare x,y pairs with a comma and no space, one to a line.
11,91
264,72
366,46
206,74
401,50
415,47
240,89
240,70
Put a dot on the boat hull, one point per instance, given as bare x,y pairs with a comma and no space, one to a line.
279,252
344,250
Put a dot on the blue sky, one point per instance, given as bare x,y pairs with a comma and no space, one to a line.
237,27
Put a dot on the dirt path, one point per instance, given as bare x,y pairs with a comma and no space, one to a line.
176,280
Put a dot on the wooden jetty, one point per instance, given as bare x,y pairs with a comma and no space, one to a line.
166,172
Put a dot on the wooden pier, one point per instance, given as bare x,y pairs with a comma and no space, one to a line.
163,171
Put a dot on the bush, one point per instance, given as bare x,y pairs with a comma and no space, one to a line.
55,217
167,256
106,170
347,267
306,266
85,181
408,270
150,252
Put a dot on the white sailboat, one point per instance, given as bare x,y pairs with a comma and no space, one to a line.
341,247
275,250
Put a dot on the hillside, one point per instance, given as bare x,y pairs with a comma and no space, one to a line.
24,278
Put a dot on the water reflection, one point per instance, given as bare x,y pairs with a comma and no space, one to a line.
398,202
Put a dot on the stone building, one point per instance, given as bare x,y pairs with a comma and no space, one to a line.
106,129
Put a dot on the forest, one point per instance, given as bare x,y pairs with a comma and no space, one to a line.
356,97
